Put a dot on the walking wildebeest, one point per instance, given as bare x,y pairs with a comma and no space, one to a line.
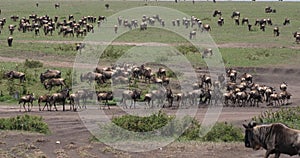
276,138
130,95
105,96
44,99
59,97
15,75
50,74
48,84
9,41
29,98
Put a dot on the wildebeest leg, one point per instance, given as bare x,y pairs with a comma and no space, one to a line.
63,105
269,152
277,155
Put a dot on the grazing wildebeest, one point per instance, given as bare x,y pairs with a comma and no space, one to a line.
59,97
56,5
15,75
132,95
29,98
283,86
105,96
286,21
217,12
44,99
10,41
192,34
161,72
235,14
50,74
245,20
275,138
48,84
206,27
106,5
276,31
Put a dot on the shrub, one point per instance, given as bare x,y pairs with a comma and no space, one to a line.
142,124
26,123
288,116
32,64
168,127
223,132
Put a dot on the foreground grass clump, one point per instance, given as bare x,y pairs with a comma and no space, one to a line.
288,116
160,126
25,123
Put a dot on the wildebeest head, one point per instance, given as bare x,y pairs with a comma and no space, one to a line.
250,141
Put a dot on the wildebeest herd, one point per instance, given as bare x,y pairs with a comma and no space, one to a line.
230,89
69,27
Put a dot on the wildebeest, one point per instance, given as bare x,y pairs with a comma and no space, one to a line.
10,41
105,96
106,5
130,95
206,27
29,98
56,5
92,76
161,72
50,74
15,75
217,12
275,138
235,14
48,84
59,97
276,31
44,99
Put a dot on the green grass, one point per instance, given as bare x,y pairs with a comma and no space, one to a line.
25,123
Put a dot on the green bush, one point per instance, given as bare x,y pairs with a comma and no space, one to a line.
26,123
223,132
142,124
32,64
288,116
147,128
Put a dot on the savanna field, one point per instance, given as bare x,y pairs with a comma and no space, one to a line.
269,94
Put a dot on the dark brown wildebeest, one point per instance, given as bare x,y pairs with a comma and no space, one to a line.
231,73
161,72
56,5
14,18
44,99
11,29
206,27
104,96
192,34
130,95
237,20
217,12
102,18
286,21
10,41
50,74
220,21
59,97
15,75
275,138
106,5
276,31
48,84
92,76
207,52
247,77
245,20
235,14
29,98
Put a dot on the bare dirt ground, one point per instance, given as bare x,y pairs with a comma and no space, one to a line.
74,138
